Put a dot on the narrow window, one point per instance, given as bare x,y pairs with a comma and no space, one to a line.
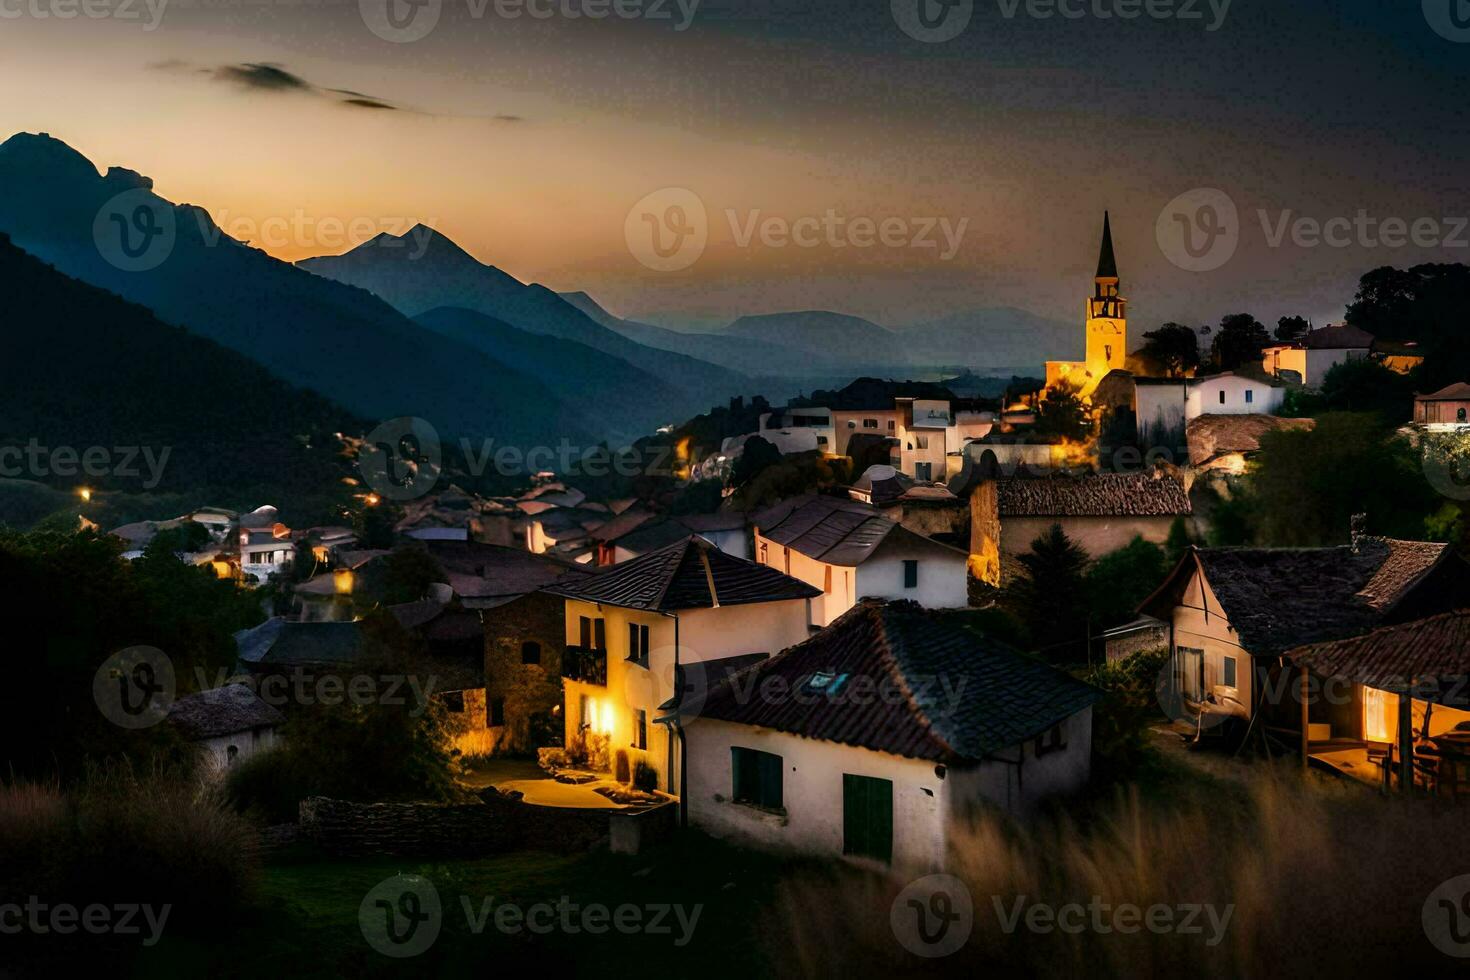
584,632
1250,396
599,634
910,574
1222,396
640,728
1228,674
530,652
497,712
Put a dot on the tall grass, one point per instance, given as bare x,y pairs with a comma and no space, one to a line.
1321,879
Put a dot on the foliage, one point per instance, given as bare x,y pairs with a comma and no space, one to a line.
187,538
794,475
1425,304
89,604
1239,341
1180,540
702,497
1446,461
1051,595
374,525
1120,580
1302,403
1365,385
1063,414
408,572
1290,329
1308,483
756,456
645,777
1130,705
1173,347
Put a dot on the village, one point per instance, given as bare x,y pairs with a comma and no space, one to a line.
843,633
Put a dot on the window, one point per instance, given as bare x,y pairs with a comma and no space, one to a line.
870,423
496,709
910,574
1189,672
638,644
827,578
821,440
640,728
1054,739
921,442
867,817
599,634
924,471
1250,396
1228,674
584,632
454,701
756,778
1460,415
890,425
1222,396
530,652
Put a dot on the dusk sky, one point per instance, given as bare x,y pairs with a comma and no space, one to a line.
528,140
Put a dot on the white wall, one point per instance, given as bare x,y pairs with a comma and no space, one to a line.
246,744
1205,397
943,578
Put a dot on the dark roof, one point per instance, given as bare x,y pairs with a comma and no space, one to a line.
1094,495
835,530
1343,336
879,394
883,484
1212,436
279,642
625,523
222,711
1459,391
1433,649
678,577
480,572
1107,265
1280,598
915,687
652,536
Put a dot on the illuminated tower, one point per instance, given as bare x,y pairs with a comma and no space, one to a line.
1107,315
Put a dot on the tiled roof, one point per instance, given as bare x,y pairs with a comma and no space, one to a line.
835,530
287,643
625,523
223,711
1280,598
1094,495
1459,391
678,577
914,687
1213,436
1437,648
1340,337
484,571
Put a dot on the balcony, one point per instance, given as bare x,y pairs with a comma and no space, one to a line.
585,664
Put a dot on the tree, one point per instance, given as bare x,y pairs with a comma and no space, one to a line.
755,457
1289,329
1240,340
1367,386
1051,596
1427,304
1174,347
1063,414
1120,580
408,572
1180,540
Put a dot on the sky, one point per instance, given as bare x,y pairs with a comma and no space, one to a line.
851,155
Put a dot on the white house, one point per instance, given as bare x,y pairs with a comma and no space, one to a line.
849,551
816,418
881,736
644,630
229,723
1165,405
1308,360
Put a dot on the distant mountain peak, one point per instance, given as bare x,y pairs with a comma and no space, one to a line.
45,154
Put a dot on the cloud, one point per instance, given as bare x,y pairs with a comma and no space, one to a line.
272,78
268,77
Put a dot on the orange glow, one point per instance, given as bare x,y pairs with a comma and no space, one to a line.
342,579
85,494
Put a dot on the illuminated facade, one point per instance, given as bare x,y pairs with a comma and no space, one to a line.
1107,327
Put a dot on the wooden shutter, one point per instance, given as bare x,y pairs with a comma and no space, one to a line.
867,817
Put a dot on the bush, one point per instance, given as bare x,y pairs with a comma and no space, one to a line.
1120,721
645,777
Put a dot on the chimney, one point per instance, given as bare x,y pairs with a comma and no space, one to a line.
1358,526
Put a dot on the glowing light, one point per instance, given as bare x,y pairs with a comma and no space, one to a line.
371,500
342,580
85,494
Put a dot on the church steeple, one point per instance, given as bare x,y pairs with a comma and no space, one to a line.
1107,266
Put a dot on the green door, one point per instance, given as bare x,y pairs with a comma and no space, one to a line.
867,817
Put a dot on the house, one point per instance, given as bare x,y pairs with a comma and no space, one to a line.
1234,612
266,546
1448,408
1101,512
725,529
521,639
1396,694
1226,442
1163,406
1307,361
818,418
1399,356
872,406
849,550
229,724
880,736
637,632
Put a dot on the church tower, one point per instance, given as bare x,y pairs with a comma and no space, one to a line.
1107,314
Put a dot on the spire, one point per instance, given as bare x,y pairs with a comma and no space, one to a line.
1107,266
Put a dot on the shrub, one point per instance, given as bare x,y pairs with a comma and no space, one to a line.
645,777
1120,721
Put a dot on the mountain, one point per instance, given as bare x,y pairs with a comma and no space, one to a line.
423,270
820,333
627,401
341,342
1001,337
747,355
85,369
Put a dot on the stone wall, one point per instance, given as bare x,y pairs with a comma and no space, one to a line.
526,691
495,825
